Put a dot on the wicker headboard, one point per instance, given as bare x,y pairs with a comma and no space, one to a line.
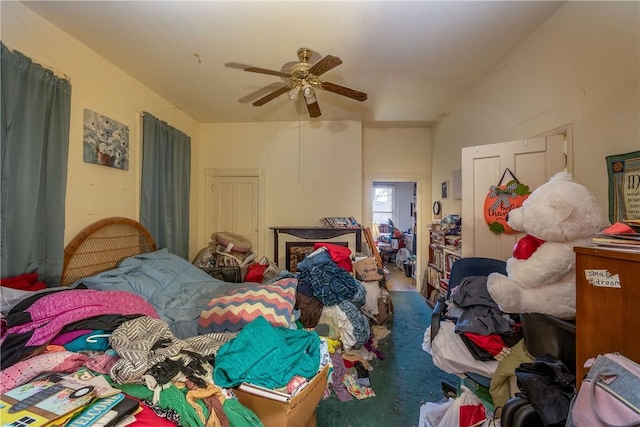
102,245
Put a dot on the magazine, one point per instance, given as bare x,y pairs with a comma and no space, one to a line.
86,377
93,412
44,400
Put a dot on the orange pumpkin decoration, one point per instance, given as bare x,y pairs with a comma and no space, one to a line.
502,199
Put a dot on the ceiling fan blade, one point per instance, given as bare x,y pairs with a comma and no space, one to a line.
268,97
265,71
344,91
314,109
325,64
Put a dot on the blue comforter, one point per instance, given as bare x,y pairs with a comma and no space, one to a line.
176,289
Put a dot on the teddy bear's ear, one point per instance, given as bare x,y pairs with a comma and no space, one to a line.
561,176
561,209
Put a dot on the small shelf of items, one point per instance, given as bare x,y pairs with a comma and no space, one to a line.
445,248
389,241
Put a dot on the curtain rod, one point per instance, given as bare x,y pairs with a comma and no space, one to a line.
53,69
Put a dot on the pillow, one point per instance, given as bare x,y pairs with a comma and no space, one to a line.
232,242
24,282
235,309
255,271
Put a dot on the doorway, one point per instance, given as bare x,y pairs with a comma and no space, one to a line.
421,214
394,224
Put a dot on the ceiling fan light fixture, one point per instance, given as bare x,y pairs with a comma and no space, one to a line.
309,94
293,93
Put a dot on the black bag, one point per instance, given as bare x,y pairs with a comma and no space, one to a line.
549,387
227,274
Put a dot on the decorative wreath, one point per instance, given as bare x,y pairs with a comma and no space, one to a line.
232,242
501,200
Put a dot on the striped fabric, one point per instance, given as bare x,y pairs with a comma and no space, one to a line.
235,309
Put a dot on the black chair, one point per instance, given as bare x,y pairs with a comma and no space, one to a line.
542,334
465,267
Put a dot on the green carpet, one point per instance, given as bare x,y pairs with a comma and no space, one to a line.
403,381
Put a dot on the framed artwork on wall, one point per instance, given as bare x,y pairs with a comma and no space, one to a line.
104,141
624,186
456,185
445,189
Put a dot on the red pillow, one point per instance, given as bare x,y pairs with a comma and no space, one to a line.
341,255
24,282
255,272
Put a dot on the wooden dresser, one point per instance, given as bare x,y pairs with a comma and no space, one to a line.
607,304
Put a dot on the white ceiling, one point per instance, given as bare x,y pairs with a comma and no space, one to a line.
414,59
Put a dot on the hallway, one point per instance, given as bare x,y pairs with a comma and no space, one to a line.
397,281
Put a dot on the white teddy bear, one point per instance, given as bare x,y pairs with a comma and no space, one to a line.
556,216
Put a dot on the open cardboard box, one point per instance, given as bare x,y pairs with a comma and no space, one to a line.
385,309
299,411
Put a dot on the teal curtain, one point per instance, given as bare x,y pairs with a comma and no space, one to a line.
166,174
36,108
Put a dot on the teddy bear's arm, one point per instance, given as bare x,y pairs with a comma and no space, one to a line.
546,265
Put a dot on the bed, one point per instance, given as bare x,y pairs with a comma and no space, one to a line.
118,259
115,279
152,308
119,254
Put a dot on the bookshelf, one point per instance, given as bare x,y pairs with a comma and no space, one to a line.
442,255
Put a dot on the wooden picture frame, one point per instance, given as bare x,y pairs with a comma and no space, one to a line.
296,251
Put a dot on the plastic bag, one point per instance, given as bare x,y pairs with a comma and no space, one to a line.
431,413
465,411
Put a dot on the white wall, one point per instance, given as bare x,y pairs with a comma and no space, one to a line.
95,192
313,169
580,68
404,196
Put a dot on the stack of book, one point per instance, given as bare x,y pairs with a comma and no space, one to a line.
621,235
634,224
340,222
80,399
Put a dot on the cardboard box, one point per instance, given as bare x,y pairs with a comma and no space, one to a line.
299,411
385,309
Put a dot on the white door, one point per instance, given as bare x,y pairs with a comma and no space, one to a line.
232,206
533,162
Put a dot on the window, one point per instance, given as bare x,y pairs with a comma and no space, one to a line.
383,202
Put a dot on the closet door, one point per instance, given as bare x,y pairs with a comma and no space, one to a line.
232,205
533,162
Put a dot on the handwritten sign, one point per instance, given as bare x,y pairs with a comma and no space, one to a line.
602,278
624,186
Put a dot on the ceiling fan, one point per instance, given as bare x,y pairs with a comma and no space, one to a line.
304,78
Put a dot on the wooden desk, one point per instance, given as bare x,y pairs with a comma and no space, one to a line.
314,233
607,309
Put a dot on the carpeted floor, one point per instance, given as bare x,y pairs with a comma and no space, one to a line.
403,381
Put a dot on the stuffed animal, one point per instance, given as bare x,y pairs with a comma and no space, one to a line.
557,216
